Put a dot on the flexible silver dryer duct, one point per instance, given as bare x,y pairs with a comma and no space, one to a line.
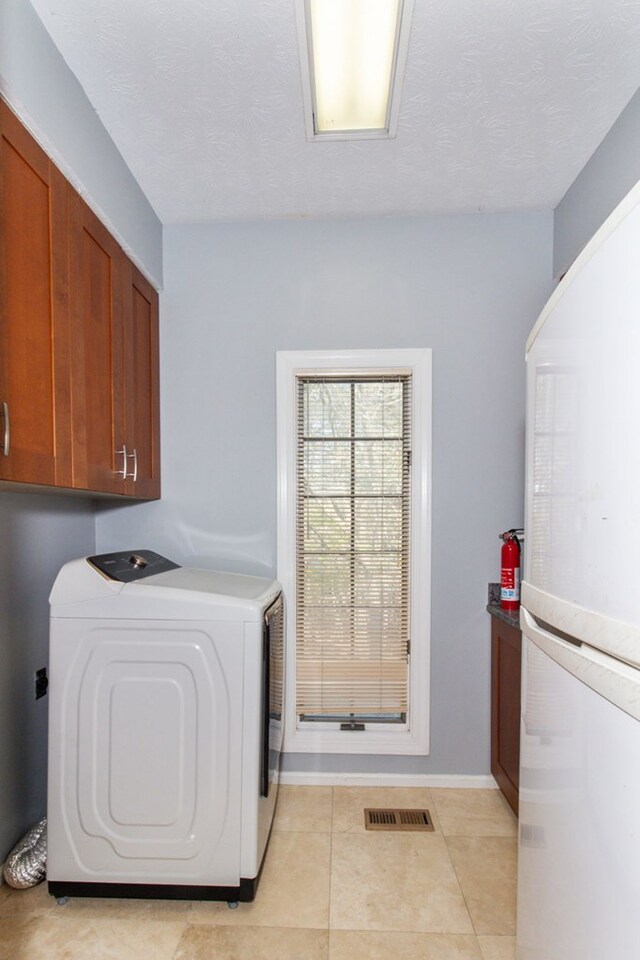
26,865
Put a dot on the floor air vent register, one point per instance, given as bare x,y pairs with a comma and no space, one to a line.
378,818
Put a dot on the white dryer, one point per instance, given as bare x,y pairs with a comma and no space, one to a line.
165,728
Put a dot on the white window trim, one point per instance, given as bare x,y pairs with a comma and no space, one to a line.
407,739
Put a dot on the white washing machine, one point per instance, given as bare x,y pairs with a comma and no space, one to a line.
165,728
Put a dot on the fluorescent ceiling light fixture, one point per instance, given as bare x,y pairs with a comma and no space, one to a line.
352,55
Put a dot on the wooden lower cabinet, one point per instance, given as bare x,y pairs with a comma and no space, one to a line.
506,644
79,397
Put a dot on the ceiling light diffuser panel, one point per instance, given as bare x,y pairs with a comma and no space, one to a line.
352,57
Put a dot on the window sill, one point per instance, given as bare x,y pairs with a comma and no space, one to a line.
398,742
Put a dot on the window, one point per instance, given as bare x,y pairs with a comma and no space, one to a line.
353,548
352,557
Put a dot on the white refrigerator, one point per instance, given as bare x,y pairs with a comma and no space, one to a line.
579,836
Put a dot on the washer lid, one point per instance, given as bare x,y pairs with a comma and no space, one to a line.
191,593
224,585
82,589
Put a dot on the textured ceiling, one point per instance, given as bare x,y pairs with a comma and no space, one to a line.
504,101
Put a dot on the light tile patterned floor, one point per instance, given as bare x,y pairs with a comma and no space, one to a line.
330,891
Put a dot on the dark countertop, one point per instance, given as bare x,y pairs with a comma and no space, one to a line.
513,619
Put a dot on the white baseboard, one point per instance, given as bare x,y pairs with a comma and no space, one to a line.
457,781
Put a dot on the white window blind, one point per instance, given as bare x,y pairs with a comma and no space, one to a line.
352,547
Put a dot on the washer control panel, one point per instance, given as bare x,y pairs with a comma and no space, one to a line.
130,565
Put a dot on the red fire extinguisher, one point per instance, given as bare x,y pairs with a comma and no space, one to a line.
510,571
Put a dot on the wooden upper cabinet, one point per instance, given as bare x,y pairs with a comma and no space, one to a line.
96,298
79,404
114,364
35,434
142,402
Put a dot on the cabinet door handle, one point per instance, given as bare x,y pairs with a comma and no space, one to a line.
123,473
6,442
133,456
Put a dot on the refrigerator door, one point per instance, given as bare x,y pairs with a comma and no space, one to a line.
578,877
583,411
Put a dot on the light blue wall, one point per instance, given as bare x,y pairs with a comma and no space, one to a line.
469,287
37,83
38,535
605,179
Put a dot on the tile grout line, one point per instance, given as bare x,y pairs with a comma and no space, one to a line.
333,800
445,837
446,841
182,933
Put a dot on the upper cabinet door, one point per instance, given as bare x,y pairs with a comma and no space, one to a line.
142,404
96,298
35,436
